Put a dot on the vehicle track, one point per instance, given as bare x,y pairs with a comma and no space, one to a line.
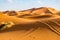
52,24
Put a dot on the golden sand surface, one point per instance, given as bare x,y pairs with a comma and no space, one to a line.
29,29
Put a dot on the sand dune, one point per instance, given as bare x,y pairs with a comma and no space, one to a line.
32,31
32,27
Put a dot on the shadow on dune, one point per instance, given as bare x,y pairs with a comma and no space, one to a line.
37,17
45,16
26,27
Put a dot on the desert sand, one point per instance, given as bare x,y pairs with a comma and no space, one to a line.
31,29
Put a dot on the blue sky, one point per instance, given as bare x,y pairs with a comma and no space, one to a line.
27,4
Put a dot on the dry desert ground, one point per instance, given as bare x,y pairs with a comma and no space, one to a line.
32,24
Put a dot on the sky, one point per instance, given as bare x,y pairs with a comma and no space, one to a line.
27,4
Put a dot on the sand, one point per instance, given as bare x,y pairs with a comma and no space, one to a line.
28,29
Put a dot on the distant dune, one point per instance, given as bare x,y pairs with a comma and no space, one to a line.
33,12
32,24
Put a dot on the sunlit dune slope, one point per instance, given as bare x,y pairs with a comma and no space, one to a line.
6,18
